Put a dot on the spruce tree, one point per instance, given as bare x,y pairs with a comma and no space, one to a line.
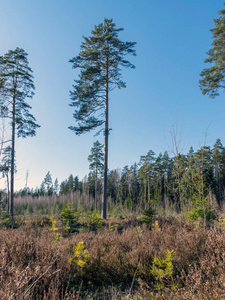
18,85
213,77
99,60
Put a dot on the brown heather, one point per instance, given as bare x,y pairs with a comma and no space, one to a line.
119,267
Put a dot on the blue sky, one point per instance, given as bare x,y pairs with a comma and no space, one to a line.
172,38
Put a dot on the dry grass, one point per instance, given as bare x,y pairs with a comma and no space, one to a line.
32,267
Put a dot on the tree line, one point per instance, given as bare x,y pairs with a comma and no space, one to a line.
187,182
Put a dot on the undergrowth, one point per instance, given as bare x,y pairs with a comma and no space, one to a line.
169,259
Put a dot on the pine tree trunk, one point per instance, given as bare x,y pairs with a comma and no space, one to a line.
96,188
220,190
162,192
104,202
13,155
145,194
149,192
8,192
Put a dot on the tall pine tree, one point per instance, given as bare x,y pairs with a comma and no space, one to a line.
100,58
17,79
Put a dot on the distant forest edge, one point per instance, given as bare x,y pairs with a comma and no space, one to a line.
194,182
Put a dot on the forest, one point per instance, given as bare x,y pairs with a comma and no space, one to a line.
151,230
191,183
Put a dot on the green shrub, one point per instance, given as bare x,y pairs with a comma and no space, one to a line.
162,268
209,213
93,222
5,219
81,255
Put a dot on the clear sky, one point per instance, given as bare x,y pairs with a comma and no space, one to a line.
172,38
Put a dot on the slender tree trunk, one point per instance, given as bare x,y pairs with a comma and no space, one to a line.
104,202
156,193
13,155
96,188
202,191
145,193
8,191
165,192
149,192
220,190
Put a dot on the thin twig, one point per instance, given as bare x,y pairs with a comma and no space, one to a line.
132,284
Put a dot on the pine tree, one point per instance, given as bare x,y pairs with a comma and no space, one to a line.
76,184
5,169
17,79
48,183
124,184
114,185
145,172
70,184
96,164
101,56
134,183
42,189
213,77
56,187
218,162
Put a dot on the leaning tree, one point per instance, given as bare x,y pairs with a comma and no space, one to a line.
18,86
100,60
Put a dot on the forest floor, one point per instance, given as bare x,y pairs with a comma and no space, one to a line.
88,258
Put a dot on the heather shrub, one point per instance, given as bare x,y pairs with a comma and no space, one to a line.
38,221
179,261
